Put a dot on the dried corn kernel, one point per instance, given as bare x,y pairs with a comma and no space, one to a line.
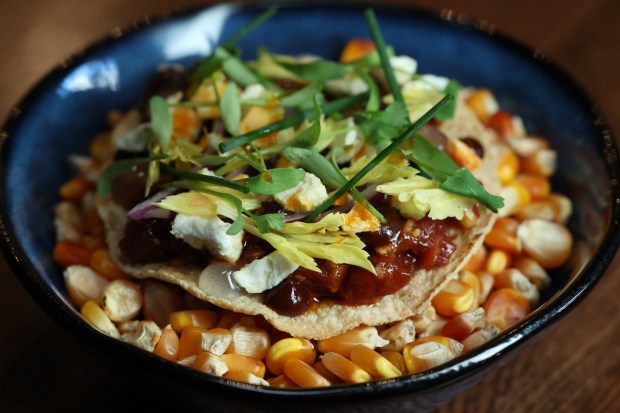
549,243
74,189
534,271
455,298
497,261
503,235
247,364
478,338
396,358
463,155
83,284
508,167
99,319
473,281
374,363
68,253
245,377
344,343
476,261
168,344
426,355
355,49
538,186
289,348
506,307
180,320
210,363
344,368
144,336
101,262
281,382
398,335
249,340
122,300
464,324
513,278
515,195
303,374
160,301
483,103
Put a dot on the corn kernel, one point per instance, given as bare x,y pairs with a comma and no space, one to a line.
180,320
503,124
99,319
249,340
303,374
248,364
464,324
398,335
497,261
396,358
344,368
538,186
455,298
374,363
211,364
476,261
473,281
549,243
355,49
508,167
160,301
168,344
478,338
245,377
506,307
281,382
483,103
426,355
515,279
101,262
289,348
515,195
533,270
83,284
68,253
344,343
503,235
462,154
122,300
74,189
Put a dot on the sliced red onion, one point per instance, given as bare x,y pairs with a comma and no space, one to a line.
146,209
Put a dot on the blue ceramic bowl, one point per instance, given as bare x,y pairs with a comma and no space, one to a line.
68,107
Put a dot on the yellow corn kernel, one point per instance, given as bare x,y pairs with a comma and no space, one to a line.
210,363
508,167
487,281
101,262
303,374
476,261
497,261
323,371
99,319
464,324
503,235
344,343
483,103
543,209
549,243
396,358
473,281
538,186
515,195
455,298
74,189
168,344
207,93
344,368
425,355
462,154
374,363
526,146
186,123
515,279
543,162
180,320
190,342
505,307
355,49
249,340
258,116
248,364
245,377
289,348
450,343
281,382
564,207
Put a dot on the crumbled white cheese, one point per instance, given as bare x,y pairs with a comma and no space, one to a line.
350,84
264,273
404,68
426,83
208,233
134,140
252,92
306,196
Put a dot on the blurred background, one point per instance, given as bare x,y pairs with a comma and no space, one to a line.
574,368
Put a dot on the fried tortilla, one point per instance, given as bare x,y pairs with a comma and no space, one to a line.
327,319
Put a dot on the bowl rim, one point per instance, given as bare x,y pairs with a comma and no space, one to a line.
461,367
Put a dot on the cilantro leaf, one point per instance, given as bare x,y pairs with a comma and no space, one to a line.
447,112
273,181
318,70
383,125
267,222
439,166
301,96
235,68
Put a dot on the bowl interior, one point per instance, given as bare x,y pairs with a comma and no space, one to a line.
68,108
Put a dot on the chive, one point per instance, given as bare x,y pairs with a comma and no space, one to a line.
289,122
213,180
380,157
234,39
373,25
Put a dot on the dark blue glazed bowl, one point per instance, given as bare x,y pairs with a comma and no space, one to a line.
68,107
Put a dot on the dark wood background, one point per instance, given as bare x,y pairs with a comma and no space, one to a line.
574,368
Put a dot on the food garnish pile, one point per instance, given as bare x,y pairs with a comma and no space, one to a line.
293,221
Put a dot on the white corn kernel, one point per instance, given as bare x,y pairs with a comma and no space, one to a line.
122,300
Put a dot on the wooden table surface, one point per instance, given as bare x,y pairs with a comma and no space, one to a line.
575,368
